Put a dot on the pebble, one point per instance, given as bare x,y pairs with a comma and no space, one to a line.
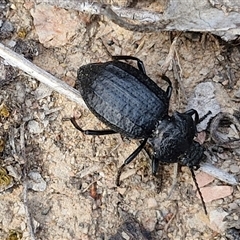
42,91
203,179
14,172
36,182
34,127
11,43
215,192
21,92
233,205
149,223
128,173
198,220
121,190
23,226
204,71
234,168
236,218
7,27
125,236
2,72
217,222
21,209
152,203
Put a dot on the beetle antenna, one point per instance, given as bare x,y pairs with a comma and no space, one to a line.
198,189
204,116
119,175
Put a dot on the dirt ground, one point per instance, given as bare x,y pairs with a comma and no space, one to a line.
72,176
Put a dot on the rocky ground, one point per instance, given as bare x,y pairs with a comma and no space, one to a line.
69,178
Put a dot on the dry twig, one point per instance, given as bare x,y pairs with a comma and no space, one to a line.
218,173
191,15
98,8
171,218
17,60
25,184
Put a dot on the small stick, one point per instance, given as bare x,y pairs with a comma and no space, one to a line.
171,219
29,219
178,73
170,56
218,173
148,27
96,8
22,63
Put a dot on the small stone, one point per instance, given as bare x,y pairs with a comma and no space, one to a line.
42,91
148,219
215,192
128,173
234,168
23,226
21,92
216,218
150,223
36,182
204,71
233,205
11,43
121,190
125,236
21,209
34,127
152,203
203,179
35,225
7,27
13,171
13,6
235,218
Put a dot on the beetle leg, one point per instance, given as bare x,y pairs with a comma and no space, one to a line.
193,112
139,62
169,89
169,92
165,78
130,159
204,116
91,132
197,119
155,165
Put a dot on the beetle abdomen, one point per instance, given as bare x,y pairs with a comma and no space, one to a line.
122,97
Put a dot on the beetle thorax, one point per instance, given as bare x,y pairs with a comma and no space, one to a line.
172,137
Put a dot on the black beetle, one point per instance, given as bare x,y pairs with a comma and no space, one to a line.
130,103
